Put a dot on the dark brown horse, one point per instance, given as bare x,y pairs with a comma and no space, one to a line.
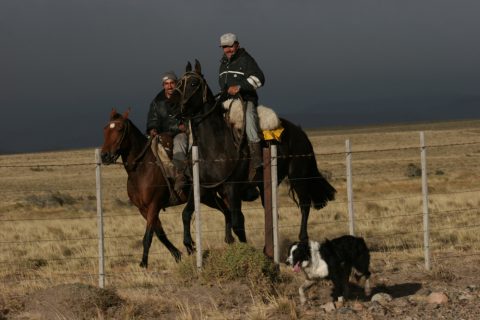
147,185
225,164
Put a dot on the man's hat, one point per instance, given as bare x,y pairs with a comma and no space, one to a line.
170,75
228,39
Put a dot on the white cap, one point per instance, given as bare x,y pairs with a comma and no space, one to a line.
228,39
170,75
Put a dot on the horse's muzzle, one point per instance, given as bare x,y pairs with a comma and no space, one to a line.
108,157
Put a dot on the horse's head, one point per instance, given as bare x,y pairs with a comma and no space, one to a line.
192,91
114,136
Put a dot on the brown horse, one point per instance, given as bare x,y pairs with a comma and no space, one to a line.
147,186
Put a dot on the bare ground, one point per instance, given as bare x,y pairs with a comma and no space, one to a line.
408,285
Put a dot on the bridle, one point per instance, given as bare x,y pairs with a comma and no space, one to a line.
182,88
183,84
119,141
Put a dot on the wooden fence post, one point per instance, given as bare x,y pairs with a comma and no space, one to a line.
426,228
267,185
351,215
101,247
276,249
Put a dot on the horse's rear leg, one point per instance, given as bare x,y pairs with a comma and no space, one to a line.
162,236
215,202
238,225
186,219
238,220
305,209
304,202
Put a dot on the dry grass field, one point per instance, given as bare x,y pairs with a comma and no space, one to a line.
49,245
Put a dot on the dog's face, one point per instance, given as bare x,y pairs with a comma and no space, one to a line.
299,255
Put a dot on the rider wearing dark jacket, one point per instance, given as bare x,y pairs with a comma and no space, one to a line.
161,116
161,119
242,70
239,74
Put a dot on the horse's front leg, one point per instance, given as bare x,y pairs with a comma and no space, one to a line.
147,242
186,219
162,236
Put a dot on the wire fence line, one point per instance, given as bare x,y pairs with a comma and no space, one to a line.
93,163
434,214
339,202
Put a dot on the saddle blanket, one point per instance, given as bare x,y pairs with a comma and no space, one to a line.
268,120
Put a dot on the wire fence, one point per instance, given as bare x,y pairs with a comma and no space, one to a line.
48,216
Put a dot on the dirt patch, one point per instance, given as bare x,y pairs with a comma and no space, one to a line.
71,301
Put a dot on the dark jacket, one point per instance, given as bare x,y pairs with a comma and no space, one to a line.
241,70
161,116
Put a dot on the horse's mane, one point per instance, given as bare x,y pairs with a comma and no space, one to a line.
116,116
132,126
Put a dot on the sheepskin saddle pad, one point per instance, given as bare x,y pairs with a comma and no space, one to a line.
267,118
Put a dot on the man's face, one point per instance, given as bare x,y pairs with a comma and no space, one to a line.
229,51
169,86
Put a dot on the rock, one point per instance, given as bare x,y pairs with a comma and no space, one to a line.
328,307
377,308
382,298
472,287
424,292
402,302
437,298
465,297
357,306
416,298
344,310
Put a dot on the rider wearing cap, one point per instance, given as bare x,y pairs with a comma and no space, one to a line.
161,119
240,74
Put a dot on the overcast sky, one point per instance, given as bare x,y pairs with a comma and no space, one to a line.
64,64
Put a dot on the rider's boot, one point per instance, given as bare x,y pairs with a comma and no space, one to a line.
179,185
180,178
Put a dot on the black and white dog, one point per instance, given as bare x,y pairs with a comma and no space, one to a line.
332,259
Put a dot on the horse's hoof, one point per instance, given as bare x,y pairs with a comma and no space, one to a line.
190,250
229,240
178,256
190,246
143,265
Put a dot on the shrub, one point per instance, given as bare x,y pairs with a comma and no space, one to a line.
413,171
238,261
50,200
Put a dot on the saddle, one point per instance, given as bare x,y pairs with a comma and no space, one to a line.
269,122
162,148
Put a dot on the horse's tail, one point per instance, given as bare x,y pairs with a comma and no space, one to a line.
321,191
303,172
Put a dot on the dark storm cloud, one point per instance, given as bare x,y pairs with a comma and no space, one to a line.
64,64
